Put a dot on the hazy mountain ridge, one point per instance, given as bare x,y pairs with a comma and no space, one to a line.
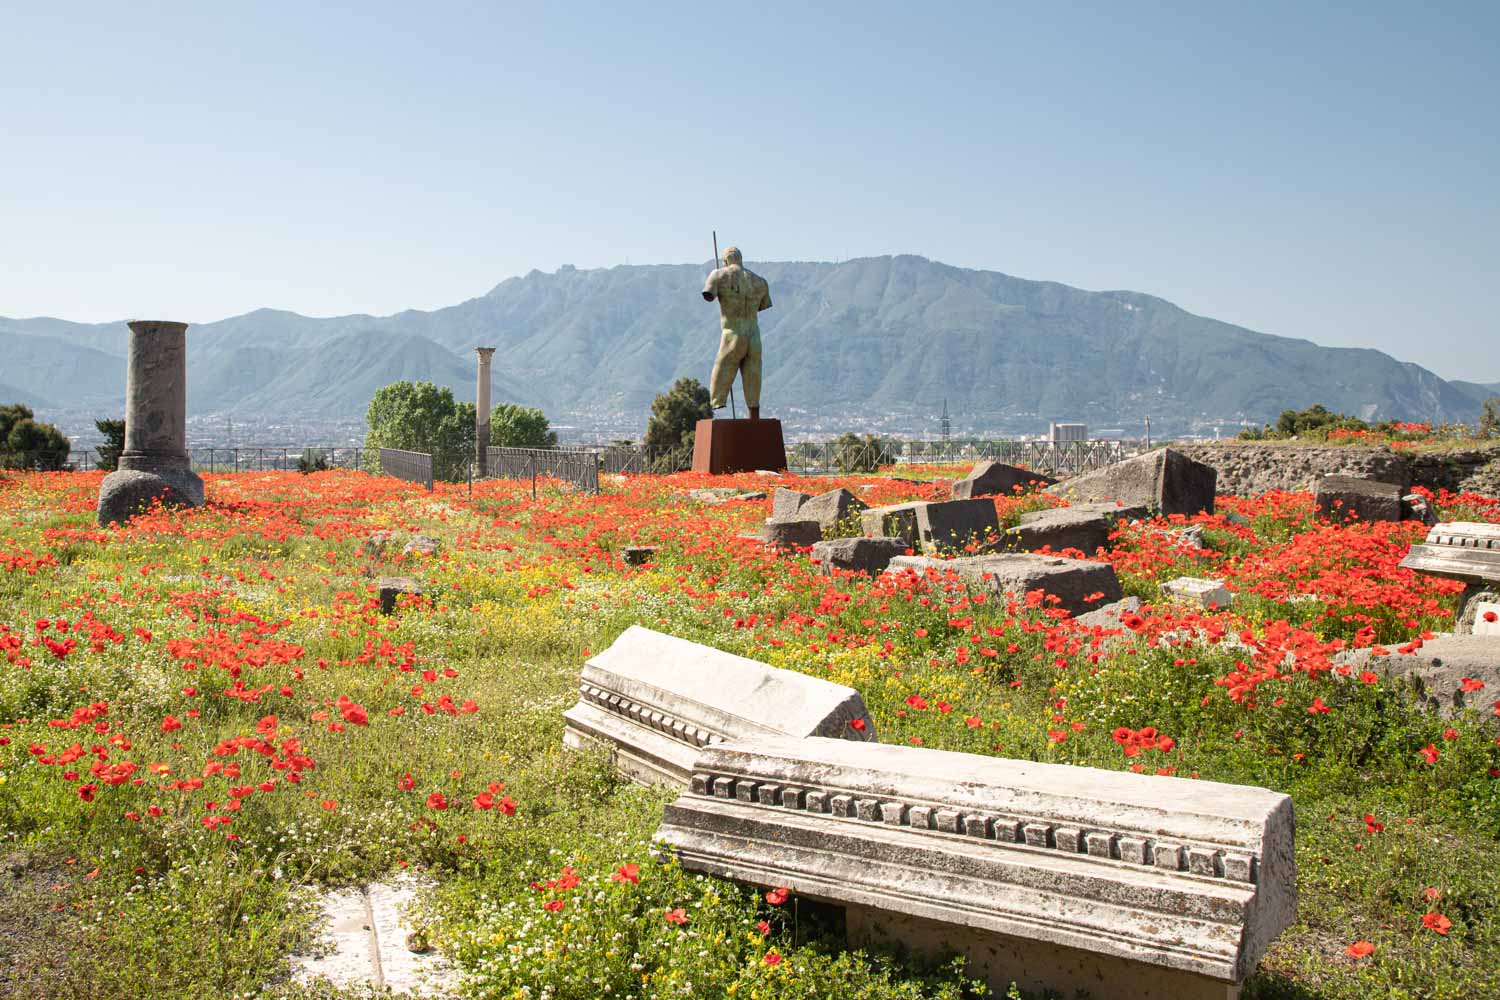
844,343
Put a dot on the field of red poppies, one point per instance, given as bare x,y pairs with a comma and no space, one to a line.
204,720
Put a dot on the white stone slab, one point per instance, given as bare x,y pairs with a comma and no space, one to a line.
1195,590
1481,625
659,699
365,936
1133,872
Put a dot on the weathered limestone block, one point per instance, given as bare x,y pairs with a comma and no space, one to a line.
1193,590
989,479
1078,585
1111,616
795,532
660,700
638,555
947,526
392,587
832,509
895,521
1438,669
860,555
1057,877
785,503
375,546
1165,480
1345,498
424,545
1084,528
716,495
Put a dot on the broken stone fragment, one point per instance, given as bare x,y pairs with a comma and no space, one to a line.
392,587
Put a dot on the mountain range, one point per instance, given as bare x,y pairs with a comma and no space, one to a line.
875,343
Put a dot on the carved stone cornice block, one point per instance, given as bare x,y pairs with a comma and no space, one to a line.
1461,550
1184,875
659,700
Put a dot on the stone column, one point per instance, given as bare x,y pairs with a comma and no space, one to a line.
155,462
482,408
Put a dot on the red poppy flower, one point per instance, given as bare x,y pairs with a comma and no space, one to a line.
1429,753
405,782
778,895
436,801
170,724
773,958
1436,922
554,905
763,927
1470,685
1359,949
858,725
627,873
484,800
677,916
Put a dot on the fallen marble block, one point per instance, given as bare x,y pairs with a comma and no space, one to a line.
1468,551
935,526
1086,529
859,555
785,503
659,700
1441,672
1193,590
833,509
1078,584
638,555
1056,877
894,521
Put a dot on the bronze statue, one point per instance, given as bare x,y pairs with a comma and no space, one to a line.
742,295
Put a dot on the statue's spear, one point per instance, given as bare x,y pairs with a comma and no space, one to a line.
733,412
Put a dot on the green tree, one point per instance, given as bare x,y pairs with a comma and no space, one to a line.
1315,421
674,418
114,443
852,453
26,444
516,426
1489,418
420,416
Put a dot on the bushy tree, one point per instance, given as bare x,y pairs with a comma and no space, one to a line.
1315,421
852,453
674,417
26,444
1489,418
420,416
516,426
114,443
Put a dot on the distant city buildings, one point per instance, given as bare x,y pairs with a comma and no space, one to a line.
1064,433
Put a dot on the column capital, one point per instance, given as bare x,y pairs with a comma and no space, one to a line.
145,327
485,353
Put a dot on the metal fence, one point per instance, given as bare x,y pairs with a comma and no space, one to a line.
579,466
843,456
272,459
412,466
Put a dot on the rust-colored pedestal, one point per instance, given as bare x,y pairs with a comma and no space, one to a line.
721,446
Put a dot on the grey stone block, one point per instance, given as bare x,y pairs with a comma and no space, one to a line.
1459,550
790,533
1414,507
785,502
638,555
128,492
895,521
392,587
832,509
1111,615
1164,480
1438,668
1085,528
1192,590
860,555
424,545
947,526
1072,581
1103,870
998,479
1345,498
658,700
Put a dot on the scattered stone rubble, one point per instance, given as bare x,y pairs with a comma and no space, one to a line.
1077,585
989,479
1166,481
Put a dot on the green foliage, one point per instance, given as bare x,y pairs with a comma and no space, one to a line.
114,443
420,416
312,460
1489,418
852,453
26,444
674,417
516,426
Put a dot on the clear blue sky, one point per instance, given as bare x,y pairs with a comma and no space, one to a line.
1316,170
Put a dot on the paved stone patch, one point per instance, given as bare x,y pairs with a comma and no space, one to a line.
366,938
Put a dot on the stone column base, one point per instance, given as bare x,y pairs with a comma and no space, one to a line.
128,492
1000,960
